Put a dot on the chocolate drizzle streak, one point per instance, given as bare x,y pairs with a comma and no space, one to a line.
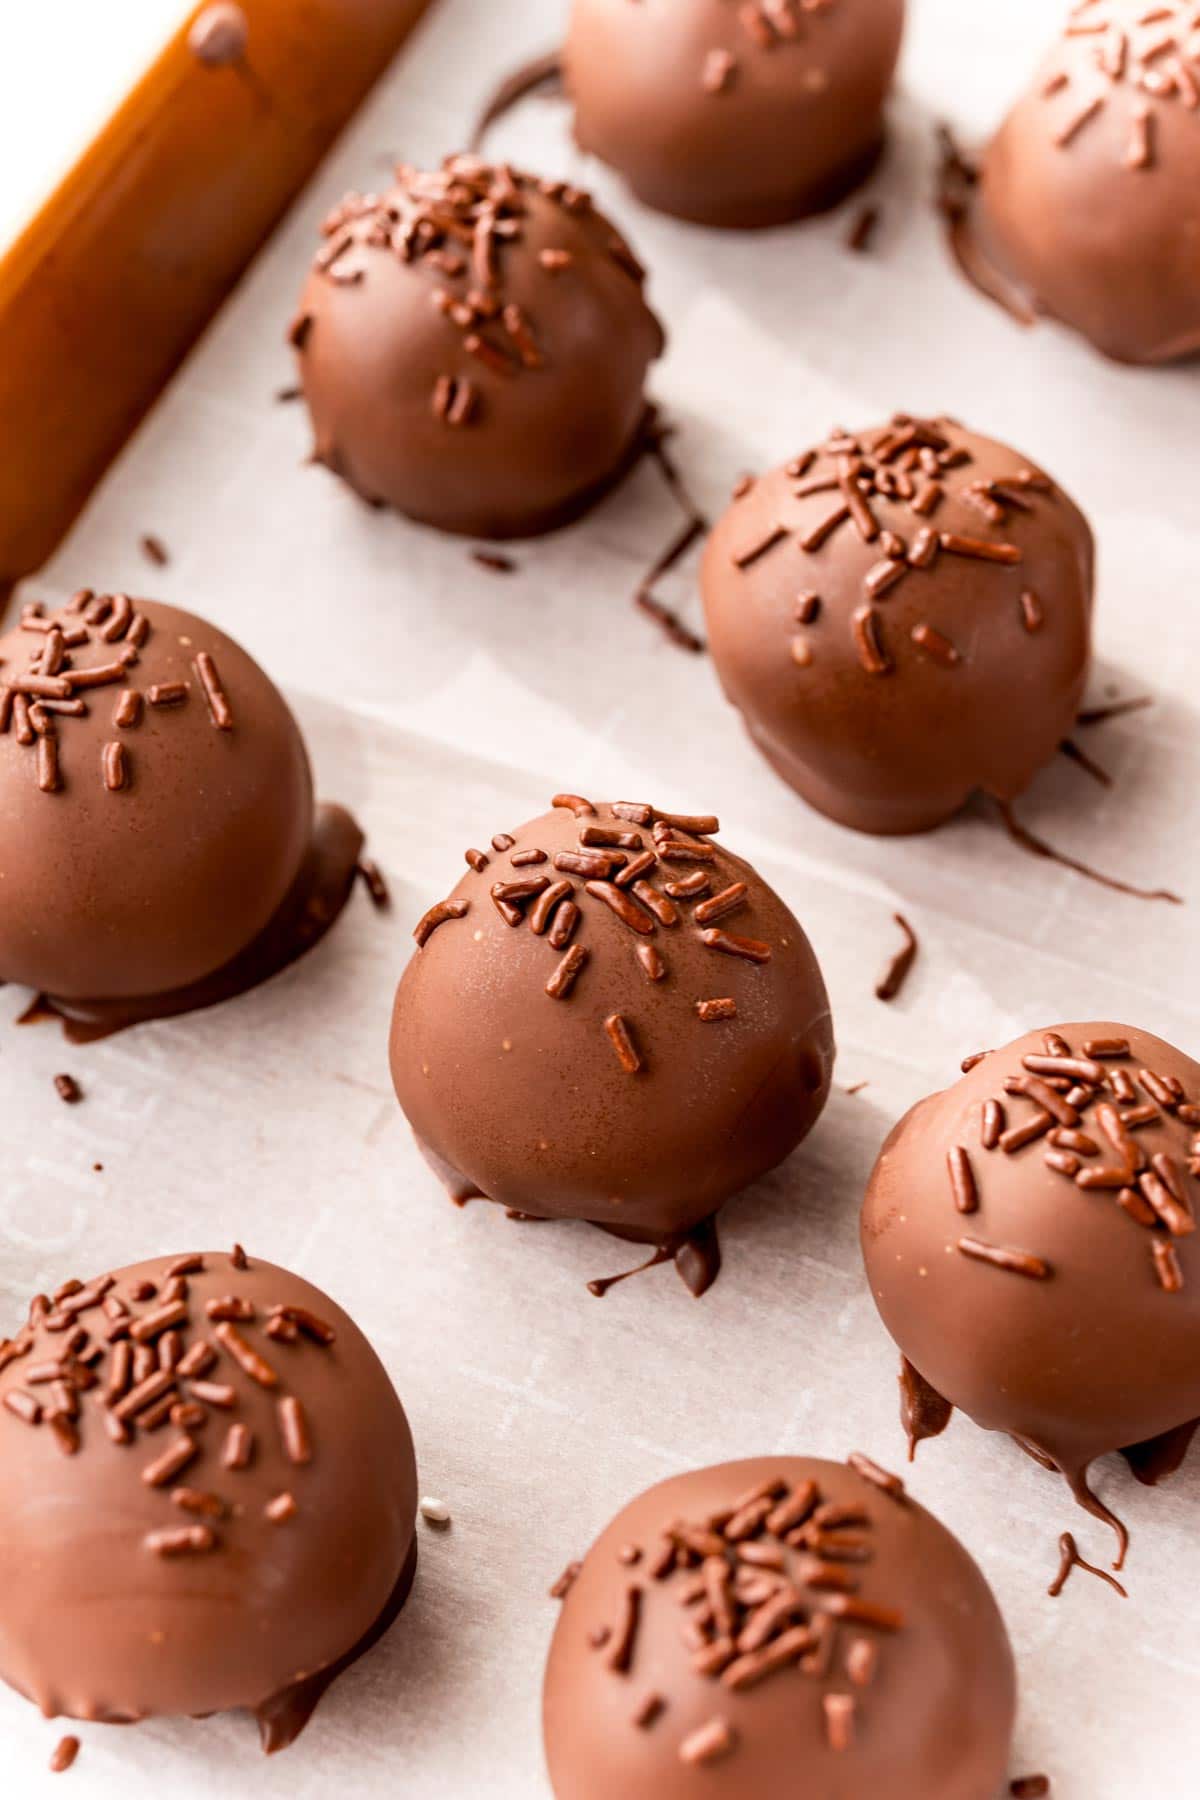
891,982
1036,846
923,1411
1071,1559
536,300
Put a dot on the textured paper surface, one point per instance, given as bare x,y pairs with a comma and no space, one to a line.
455,703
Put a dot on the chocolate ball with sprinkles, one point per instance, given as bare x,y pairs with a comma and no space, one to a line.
731,114
473,346
208,1495
1088,199
158,837
612,1018
1029,1237
739,1624
903,617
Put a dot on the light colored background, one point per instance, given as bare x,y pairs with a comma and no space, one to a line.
65,65
455,702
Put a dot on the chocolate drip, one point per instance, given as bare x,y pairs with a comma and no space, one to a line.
1100,715
459,1188
1071,1559
695,526
541,74
958,176
282,1718
698,1257
601,1286
1076,1480
1070,749
923,1411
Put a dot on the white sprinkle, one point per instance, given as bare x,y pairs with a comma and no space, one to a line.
434,1512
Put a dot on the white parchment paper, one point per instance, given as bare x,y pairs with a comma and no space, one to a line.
454,702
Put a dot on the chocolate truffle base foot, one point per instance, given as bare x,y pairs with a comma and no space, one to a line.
1162,1456
924,1413
987,275
695,1252
283,1717
766,214
317,899
877,815
978,269
505,530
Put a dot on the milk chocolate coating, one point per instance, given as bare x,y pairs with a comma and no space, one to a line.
1097,1354
114,893
525,1098
731,115
1089,194
895,666
474,348
931,1712
98,1622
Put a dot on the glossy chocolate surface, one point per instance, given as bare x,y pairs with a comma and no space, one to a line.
207,1494
902,616
777,1626
730,114
1029,1237
473,346
611,1018
167,824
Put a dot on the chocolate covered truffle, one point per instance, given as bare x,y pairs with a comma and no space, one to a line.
1088,201
1029,1240
157,831
730,114
207,1495
473,346
778,1626
902,616
612,1018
